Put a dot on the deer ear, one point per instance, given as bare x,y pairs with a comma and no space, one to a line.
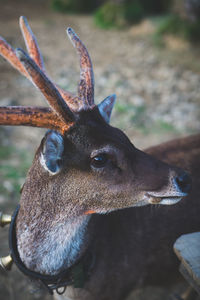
53,148
106,106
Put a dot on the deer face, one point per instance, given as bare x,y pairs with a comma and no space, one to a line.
102,171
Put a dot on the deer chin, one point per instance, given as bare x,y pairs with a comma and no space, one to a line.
170,201
165,200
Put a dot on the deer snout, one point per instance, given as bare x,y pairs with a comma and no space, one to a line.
179,186
183,182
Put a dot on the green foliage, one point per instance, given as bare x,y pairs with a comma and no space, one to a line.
118,14
110,15
133,11
74,6
174,24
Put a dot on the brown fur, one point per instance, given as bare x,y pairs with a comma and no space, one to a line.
134,246
126,243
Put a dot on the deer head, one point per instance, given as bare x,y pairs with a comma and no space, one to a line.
83,165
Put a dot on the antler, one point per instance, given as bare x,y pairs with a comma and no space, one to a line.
48,89
9,54
31,116
86,84
61,116
31,42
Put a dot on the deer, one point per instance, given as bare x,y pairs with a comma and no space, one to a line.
85,226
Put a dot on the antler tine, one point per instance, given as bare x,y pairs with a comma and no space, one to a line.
42,117
35,53
86,84
48,89
9,54
32,46
31,42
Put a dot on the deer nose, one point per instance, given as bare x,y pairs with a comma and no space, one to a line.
184,182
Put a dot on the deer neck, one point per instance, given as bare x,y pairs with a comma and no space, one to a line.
49,248
56,248
52,230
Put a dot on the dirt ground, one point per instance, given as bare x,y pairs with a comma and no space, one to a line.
157,89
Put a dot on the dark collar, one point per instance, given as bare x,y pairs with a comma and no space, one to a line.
76,275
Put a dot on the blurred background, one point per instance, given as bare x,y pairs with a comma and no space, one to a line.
145,51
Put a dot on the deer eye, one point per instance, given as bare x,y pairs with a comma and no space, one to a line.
99,160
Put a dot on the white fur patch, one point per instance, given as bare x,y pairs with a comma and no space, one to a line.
55,249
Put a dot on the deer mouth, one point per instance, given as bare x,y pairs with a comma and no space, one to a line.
165,200
180,187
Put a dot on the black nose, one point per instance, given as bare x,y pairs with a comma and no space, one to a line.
184,182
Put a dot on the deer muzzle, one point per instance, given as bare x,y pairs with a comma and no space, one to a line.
181,185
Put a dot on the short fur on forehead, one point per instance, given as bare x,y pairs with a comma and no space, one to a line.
53,145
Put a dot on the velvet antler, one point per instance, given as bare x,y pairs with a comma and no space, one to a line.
60,117
48,89
31,42
35,54
30,116
86,84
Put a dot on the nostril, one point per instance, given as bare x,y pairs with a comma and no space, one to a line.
184,182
